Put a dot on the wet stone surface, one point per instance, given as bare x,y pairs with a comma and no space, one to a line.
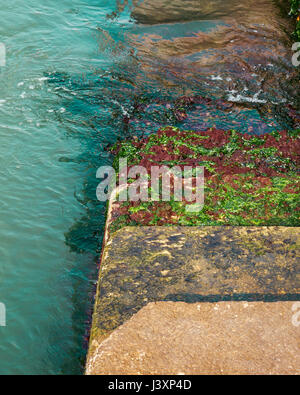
165,11
194,264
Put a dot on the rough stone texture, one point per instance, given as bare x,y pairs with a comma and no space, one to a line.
193,264
206,338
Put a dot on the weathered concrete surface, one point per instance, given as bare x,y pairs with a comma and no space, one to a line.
203,338
193,264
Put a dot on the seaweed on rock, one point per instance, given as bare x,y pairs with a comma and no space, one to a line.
249,179
295,11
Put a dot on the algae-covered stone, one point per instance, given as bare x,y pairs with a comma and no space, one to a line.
193,264
249,179
295,11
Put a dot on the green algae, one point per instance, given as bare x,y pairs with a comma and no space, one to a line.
295,6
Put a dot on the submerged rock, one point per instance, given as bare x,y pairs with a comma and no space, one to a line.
231,50
166,11
163,11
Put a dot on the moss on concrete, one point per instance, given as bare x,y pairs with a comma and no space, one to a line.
148,264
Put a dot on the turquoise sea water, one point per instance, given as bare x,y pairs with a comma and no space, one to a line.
47,156
73,83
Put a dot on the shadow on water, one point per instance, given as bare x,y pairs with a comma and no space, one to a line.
228,67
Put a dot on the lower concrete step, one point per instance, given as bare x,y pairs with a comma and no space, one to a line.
203,338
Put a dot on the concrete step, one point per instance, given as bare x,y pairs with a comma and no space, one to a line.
203,338
202,265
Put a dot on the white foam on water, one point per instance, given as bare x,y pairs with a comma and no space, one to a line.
241,98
